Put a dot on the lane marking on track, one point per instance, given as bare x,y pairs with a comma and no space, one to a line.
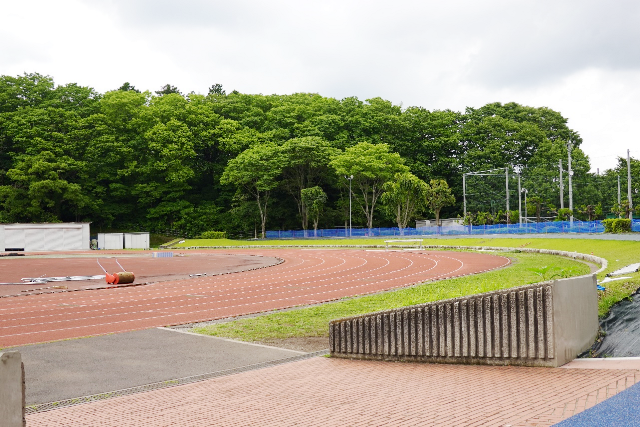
315,279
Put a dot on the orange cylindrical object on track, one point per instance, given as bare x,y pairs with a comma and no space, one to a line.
123,277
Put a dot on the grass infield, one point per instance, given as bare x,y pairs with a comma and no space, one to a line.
526,268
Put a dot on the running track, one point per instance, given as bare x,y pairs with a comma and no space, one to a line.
305,277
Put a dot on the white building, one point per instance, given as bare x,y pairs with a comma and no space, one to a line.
45,237
136,240
110,240
123,240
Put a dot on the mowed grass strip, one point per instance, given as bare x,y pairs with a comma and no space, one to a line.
313,321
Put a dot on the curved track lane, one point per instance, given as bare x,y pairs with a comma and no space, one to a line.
305,277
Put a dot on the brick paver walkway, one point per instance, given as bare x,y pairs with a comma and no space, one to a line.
336,392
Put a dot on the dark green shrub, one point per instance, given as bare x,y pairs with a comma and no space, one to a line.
564,214
213,235
617,225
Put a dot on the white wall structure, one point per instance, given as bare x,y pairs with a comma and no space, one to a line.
136,240
45,237
110,240
445,222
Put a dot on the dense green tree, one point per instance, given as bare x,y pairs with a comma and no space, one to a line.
126,86
216,89
405,197
438,196
255,171
305,164
43,189
314,199
167,90
127,159
163,180
29,90
371,165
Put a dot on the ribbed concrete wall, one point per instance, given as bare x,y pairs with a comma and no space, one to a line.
510,327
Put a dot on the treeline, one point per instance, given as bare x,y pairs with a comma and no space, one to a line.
161,161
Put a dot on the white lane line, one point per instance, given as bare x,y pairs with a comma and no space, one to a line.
278,299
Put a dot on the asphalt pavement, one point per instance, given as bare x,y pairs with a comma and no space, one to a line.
89,366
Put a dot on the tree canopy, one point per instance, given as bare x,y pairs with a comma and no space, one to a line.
371,166
166,161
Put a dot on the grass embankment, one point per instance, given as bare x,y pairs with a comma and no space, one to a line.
617,253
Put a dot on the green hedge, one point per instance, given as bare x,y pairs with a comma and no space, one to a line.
617,225
213,235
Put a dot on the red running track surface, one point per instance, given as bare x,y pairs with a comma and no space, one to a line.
305,277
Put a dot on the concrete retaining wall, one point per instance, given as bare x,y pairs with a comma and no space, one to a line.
546,324
12,390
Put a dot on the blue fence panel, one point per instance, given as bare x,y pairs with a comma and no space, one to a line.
527,228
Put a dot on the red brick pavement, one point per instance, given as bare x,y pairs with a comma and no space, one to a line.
337,392
305,277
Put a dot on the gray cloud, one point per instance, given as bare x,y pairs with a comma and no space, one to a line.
493,43
573,56
536,46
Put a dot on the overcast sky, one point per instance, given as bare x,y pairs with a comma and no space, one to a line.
578,57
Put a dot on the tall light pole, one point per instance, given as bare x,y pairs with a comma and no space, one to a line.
525,191
518,169
464,194
506,179
561,186
629,186
619,200
350,178
570,185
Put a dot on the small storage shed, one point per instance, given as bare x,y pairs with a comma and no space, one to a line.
67,236
136,240
110,240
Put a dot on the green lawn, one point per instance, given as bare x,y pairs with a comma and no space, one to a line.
526,268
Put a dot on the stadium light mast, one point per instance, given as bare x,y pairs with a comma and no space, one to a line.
506,178
561,186
525,191
629,186
518,170
619,200
464,194
570,185
350,178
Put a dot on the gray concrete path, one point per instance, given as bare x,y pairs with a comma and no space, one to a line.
94,365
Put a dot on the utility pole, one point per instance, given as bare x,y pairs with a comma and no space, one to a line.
570,185
350,178
619,200
561,187
629,186
506,174
519,201
518,170
464,193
